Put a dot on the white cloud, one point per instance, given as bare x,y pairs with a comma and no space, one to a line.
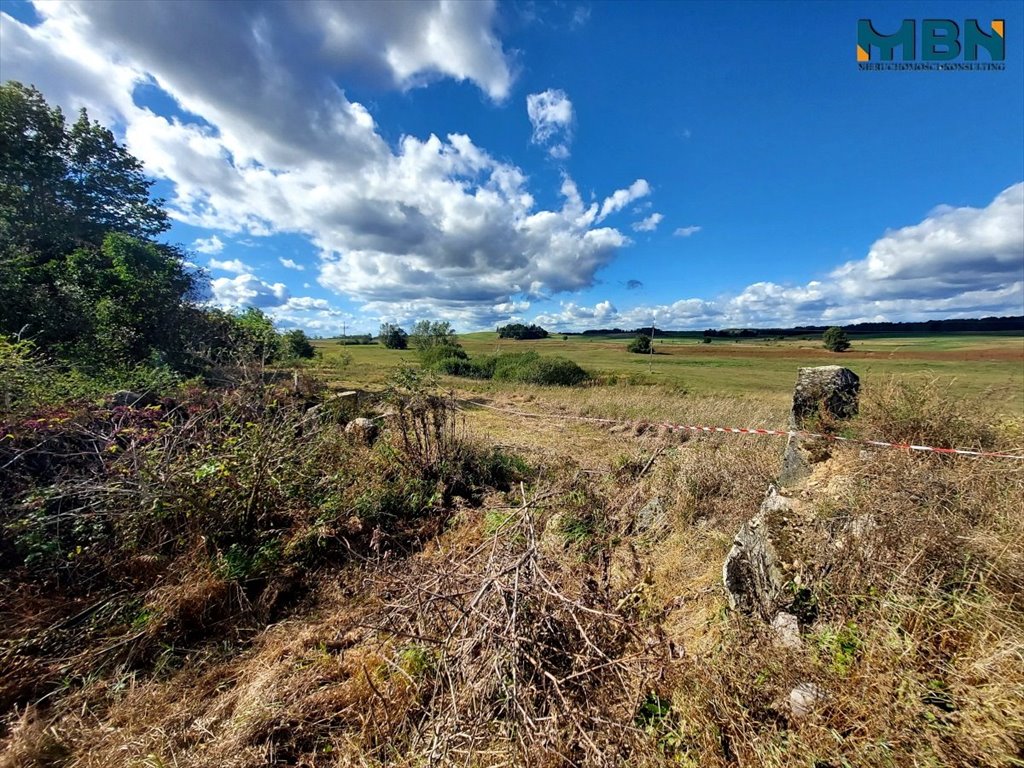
290,264
620,198
414,42
559,152
951,251
649,224
277,147
580,16
230,265
957,262
686,231
306,303
551,115
248,291
209,245
575,317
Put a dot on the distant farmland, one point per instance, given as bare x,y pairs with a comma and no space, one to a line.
988,368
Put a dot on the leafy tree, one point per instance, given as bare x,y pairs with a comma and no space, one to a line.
835,339
124,301
106,188
296,344
393,337
61,188
78,269
33,165
426,335
641,345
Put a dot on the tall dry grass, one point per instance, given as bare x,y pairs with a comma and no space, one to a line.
563,623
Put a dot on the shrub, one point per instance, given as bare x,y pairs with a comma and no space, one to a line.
531,368
443,356
480,368
641,345
296,344
836,340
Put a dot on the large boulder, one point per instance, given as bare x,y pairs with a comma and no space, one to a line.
827,392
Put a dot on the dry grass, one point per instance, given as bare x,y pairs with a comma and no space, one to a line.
548,627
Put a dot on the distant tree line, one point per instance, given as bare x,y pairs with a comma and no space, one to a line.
356,340
956,325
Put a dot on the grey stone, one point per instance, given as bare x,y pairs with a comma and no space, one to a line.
831,387
804,699
829,390
753,572
362,430
787,630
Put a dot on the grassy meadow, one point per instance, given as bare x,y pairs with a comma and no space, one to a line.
985,369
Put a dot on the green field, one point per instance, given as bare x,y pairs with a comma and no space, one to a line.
986,368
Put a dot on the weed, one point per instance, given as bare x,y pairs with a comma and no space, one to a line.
838,648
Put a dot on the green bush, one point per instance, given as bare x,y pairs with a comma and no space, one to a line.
296,344
480,368
641,345
435,358
531,368
835,339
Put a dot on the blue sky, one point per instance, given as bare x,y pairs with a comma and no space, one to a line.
574,164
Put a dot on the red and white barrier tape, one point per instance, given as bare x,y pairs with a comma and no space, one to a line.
755,431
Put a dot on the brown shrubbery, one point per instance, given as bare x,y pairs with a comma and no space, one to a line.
258,589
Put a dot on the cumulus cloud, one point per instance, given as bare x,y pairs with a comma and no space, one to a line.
573,316
290,264
414,41
686,231
951,251
273,145
230,265
209,245
956,262
686,313
308,303
248,291
649,224
550,115
317,316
